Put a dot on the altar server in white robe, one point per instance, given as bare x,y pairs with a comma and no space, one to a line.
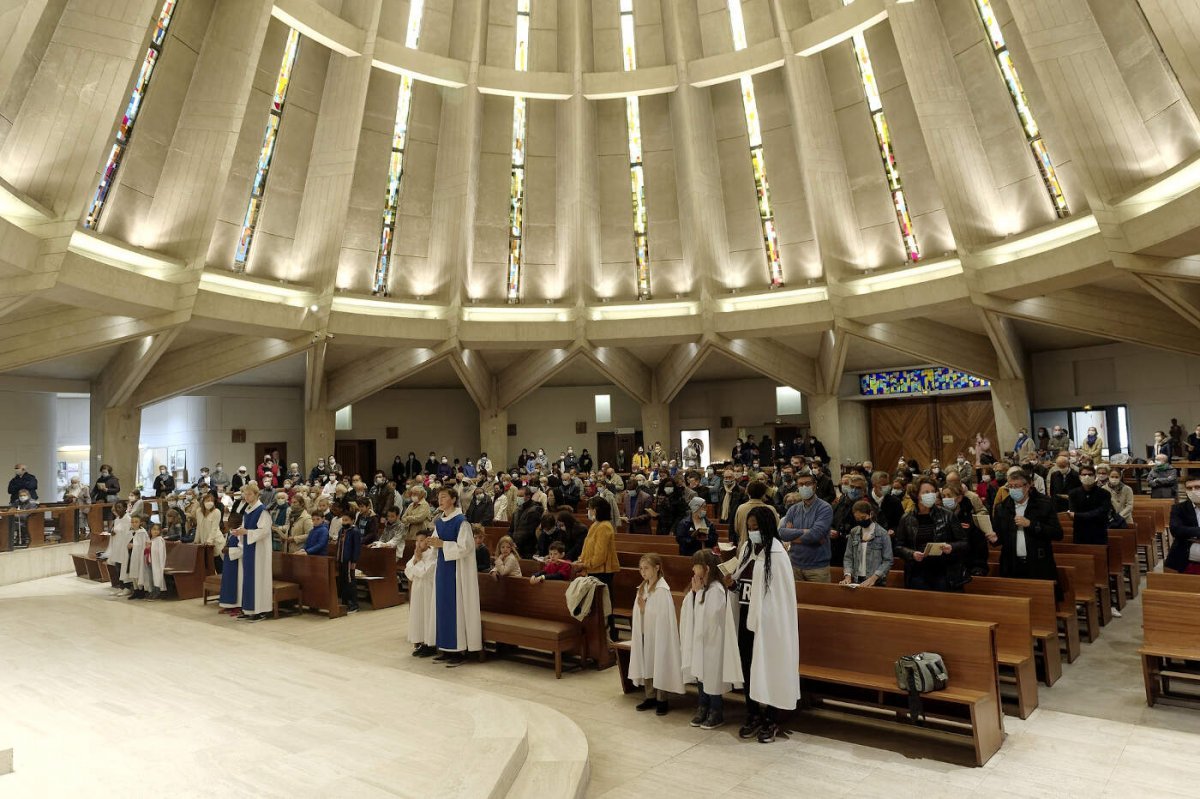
135,562
708,640
254,556
422,626
155,568
768,640
118,546
654,650
455,582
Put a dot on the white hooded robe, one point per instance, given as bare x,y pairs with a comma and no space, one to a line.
422,628
654,653
135,563
774,677
154,571
708,642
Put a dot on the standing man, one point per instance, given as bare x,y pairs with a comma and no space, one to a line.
456,584
1025,525
254,552
22,480
1184,556
1090,505
807,526
1063,480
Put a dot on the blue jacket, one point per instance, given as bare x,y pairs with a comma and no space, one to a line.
317,542
349,544
807,527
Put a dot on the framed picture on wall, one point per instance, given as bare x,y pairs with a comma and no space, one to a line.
179,462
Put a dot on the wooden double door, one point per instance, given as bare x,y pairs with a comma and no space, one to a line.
930,427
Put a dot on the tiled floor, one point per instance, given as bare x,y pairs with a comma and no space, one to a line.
342,705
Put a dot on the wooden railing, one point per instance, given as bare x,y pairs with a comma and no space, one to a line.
51,524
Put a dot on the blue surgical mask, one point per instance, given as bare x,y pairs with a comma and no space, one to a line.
1017,494
852,493
929,499
805,492
756,537
948,503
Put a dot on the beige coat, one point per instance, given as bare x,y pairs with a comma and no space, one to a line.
507,567
297,532
417,518
1092,450
208,530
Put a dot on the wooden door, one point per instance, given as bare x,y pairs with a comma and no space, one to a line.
902,427
959,419
606,450
356,456
262,448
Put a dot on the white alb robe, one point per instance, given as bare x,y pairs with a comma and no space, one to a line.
708,644
422,628
154,572
134,566
461,550
261,536
772,617
654,653
118,541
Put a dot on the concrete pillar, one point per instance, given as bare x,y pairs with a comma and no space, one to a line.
960,163
656,426
823,420
114,435
319,436
1010,403
578,222
493,438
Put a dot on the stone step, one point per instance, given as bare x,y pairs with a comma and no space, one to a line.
556,765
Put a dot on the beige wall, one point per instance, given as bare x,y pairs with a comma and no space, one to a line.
444,420
751,404
547,417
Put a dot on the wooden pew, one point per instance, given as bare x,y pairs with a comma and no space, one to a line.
536,616
1012,616
1170,649
1122,560
1170,581
316,579
379,565
1043,615
1067,611
1086,594
1080,593
187,566
1100,572
895,577
1145,535
847,665
87,564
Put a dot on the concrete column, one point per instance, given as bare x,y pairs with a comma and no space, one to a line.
823,420
656,426
578,222
1010,403
114,435
493,438
319,436
697,164
1098,118
960,163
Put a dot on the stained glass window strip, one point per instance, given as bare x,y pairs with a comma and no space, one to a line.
137,97
758,159
637,171
516,203
917,381
1012,81
391,202
887,152
267,151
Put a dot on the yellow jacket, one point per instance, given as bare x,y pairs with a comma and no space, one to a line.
600,549
640,461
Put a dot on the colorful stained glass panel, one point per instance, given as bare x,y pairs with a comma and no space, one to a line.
917,381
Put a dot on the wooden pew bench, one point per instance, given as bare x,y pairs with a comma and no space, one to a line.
382,584
1087,595
187,567
1043,616
1170,649
1102,577
1171,581
536,617
87,564
281,591
847,666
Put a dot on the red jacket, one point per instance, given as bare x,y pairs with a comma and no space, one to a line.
556,570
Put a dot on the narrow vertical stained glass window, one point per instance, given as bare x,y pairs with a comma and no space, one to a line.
758,160
141,85
267,151
516,203
1033,134
637,172
883,135
391,202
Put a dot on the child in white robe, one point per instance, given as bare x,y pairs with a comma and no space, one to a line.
708,640
156,563
118,547
654,650
132,568
422,627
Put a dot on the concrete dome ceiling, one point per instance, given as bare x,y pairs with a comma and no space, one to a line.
150,299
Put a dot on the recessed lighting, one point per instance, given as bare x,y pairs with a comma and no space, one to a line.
314,307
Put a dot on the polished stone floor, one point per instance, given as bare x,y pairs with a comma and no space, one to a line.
200,705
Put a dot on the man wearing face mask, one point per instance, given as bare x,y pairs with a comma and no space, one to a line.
1063,480
887,503
22,480
1122,497
1024,526
1059,440
482,509
730,497
1163,479
843,520
1089,508
822,482
807,526
164,483
19,524
1184,555
524,527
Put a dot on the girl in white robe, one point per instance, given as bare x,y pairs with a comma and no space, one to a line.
708,640
155,567
422,627
767,635
254,545
134,566
654,650
118,545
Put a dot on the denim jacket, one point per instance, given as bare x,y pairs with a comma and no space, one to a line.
879,553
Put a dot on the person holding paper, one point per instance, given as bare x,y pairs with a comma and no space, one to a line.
868,555
932,544
1024,526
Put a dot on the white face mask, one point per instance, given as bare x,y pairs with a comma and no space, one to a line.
669,490
948,503
1088,480
929,499
1194,496
756,537
805,492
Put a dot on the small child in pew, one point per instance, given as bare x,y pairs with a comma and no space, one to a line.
708,640
156,563
654,652
422,629
483,555
349,548
556,567
174,525
508,564
135,561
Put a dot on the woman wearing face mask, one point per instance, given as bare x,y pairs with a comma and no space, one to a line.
1163,479
1092,446
107,488
987,487
934,547
208,526
1122,498
481,510
955,500
670,506
599,556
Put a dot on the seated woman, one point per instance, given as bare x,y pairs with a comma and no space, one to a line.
693,532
